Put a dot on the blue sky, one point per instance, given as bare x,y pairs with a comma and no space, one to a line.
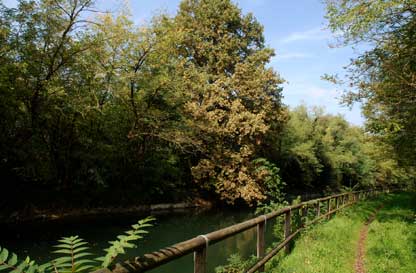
296,30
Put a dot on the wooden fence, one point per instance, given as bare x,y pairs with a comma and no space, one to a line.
199,244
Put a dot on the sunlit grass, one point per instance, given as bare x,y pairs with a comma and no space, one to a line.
391,242
331,246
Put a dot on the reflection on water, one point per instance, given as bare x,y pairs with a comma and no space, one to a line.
36,240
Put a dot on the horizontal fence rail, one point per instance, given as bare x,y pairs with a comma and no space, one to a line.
199,244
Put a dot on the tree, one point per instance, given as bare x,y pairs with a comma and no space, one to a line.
299,157
42,42
324,152
90,99
232,97
140,85
383,78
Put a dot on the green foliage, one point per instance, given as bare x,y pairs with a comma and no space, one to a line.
10,262
125,241
267,207
296,216
321,151
103,103
367,20
270,175
382,78
97,104
74,256
236,264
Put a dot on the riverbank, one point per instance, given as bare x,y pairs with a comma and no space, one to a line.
33,204
33,214
25,203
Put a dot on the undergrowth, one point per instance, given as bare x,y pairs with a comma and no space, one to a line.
236,264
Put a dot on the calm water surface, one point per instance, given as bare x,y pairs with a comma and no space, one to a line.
36,240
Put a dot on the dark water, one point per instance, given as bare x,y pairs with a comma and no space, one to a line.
36,240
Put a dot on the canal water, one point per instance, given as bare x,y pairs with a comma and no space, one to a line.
36,240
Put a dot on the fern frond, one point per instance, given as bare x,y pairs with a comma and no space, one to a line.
125,241
73,249
10,262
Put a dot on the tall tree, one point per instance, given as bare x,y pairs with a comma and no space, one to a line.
233,98
140,85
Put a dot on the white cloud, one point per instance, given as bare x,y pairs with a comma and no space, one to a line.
319,92
312,94
296,92
307,35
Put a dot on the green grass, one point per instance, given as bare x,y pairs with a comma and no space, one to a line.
330,247
391,241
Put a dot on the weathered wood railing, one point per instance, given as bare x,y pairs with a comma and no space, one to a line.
199,244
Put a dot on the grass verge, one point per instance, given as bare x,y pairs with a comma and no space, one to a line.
391,241
331,246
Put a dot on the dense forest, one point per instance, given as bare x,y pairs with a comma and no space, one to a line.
96,110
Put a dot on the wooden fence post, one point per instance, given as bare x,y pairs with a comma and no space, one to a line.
336,202
318,209
328,208
287,229
261,228
200,260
